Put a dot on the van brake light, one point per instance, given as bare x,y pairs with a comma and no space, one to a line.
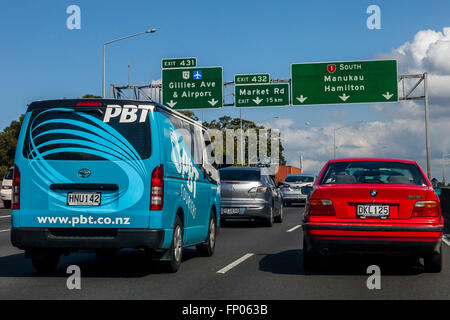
157,189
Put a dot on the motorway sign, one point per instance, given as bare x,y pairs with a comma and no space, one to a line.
259,95
192,88
178,63
251,78
344,82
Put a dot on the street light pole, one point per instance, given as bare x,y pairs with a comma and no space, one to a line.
427,127
104,53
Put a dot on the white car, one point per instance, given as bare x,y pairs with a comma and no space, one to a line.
5,192
293,188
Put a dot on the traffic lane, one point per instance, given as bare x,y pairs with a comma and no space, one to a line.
276,272
5,219
129,275
5,227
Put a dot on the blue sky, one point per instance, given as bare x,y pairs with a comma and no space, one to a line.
42,59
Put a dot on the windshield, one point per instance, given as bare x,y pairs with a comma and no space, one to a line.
299,179
373,172
240,175
81,134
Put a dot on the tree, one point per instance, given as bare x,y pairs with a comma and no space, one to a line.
226,122
8,143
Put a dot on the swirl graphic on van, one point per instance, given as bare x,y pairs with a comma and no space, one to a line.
71,136
186,168
183,162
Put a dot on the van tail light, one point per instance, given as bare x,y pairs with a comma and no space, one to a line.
286,185
157,189
426,209
321,207
16,188
258,189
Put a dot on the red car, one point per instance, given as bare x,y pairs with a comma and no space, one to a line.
380,205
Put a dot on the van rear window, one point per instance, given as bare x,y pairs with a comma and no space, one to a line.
80,134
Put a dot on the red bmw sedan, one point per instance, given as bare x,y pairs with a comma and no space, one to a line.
373,205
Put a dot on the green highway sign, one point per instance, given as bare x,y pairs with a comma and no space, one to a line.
344,82
192,88
178,63
258,95
251,78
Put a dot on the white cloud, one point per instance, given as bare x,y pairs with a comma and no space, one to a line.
399,138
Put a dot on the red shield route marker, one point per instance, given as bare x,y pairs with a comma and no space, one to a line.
331,68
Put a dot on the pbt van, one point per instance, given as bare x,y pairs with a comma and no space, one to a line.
102,174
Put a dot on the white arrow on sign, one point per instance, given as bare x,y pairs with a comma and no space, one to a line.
388,95
344,97
257,100
213,102
301,98
171,103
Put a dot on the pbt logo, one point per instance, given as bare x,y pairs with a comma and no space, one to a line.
127,113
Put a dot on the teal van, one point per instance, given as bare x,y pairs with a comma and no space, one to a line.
100,175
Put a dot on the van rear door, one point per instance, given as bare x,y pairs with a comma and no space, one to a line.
86,166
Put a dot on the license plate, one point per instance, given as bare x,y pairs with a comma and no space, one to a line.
231,210
84,198
381,211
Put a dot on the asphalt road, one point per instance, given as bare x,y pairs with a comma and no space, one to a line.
270,268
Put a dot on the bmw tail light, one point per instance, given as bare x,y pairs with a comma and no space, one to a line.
157,189
16,188
321,207
426,209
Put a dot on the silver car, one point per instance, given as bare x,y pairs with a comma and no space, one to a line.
248,193
295,188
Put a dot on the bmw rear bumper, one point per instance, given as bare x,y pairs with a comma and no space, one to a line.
86,238
329,238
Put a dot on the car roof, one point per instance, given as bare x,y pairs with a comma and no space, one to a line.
58,103
372,159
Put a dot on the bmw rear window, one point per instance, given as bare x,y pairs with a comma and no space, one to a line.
80,133
240,175
386,172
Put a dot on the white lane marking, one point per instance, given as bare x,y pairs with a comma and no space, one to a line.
6,230
5,216
294,228
446,241
235,263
